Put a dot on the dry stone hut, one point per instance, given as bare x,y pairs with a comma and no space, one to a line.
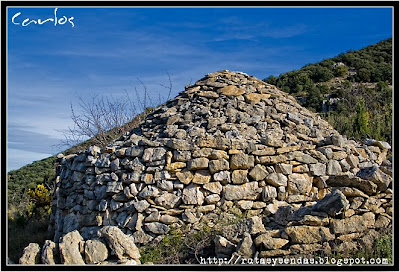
229,144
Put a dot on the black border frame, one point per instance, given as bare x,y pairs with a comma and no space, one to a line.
287,4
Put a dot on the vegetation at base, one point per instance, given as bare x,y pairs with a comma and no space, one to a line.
355,87
177,248
382,248
187,244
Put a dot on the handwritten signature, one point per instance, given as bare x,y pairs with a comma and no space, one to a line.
57,20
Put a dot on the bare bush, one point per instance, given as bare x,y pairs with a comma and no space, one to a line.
95,117
103,118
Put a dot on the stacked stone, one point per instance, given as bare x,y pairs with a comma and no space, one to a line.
330,225
229,143
112,246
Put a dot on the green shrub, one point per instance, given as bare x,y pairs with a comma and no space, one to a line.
341,71
177,248
382,248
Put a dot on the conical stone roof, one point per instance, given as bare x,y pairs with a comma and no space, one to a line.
232,108
230,143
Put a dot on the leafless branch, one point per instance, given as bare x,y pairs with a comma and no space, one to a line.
169,87
96,117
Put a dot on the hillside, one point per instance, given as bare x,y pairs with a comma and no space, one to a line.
352,91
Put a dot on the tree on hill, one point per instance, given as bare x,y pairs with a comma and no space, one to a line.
341,71
361,123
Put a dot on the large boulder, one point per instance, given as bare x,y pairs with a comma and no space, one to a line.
31,254
95,252
71,248
122,245
50,254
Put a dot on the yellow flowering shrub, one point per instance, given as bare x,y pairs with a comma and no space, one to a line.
39,198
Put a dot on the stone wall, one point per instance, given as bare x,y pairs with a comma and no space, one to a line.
230,144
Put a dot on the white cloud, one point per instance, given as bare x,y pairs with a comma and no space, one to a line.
17,158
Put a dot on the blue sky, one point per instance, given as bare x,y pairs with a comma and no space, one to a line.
109,48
